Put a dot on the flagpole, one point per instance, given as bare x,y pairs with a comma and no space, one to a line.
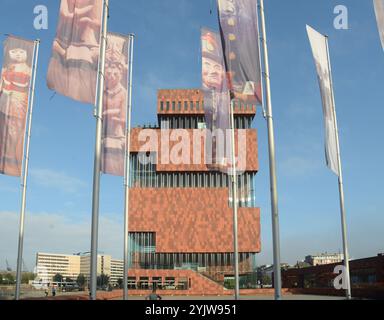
127,171
234,205
272,164
341,186
25,173
97,162
234,195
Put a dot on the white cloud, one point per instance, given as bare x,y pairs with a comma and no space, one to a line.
299,110
5,187
53,233
296,166
56,180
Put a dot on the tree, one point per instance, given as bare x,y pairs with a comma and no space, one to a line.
68,279
229,283
58,278
27,276
266,280
80,280
102,280
8,278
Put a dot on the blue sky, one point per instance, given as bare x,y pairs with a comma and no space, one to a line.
167,56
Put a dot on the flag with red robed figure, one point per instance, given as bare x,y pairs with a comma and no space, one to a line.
216,100
73,67
115,105
238,21
15,82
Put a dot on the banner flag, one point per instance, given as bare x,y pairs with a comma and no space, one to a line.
379,10
73,67
320,53
216,99
15,84
238,21
115,105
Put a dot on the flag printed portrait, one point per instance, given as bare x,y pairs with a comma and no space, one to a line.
73,67
115,105
240,38
216,98
320,53
15,83
379,11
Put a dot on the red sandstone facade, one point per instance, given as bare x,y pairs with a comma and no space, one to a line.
180,214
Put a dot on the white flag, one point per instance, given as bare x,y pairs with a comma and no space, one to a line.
320,53
379,10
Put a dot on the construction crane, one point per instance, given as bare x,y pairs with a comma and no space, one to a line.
9,269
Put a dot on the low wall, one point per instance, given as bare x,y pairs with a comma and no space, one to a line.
363,293
117,294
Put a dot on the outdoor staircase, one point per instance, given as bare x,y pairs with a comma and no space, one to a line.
206,285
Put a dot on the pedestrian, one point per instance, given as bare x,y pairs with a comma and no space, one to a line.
53,291
46,292
153,295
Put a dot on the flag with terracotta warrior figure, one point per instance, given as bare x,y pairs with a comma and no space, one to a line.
115,105
216,99
240,39
15,83
379,10
73,66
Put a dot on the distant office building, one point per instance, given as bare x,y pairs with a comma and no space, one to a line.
324,258
48,265
103,264
117,270
70,266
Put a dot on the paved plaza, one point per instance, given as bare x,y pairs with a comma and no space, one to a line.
258,297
